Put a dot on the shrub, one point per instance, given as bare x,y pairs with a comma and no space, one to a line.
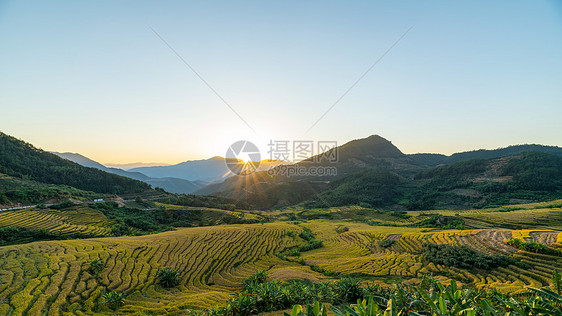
96,267
342,229
440,221
113,299
347,290
168,277
316,309
312,243
306,234
257,278
533,247
62,205
429,298
464,257
385,243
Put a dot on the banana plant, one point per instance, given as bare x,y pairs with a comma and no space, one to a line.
316,309
369,308
556,282
451,300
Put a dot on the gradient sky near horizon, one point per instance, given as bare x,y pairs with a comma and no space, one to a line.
91,77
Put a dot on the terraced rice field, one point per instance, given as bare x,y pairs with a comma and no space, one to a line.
78,220
546,215
519,219
51,277
358,252
213,215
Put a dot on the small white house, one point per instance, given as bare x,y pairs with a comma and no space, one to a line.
98,200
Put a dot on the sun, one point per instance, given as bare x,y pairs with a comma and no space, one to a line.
246,157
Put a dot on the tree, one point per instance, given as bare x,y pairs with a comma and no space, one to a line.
114,299
168,277
96,267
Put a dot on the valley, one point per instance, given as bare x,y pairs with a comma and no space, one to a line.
101,244
280,158
53,277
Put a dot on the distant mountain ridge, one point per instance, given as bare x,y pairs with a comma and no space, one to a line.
212,169
440,159
127,166
209,170
169,184
370,171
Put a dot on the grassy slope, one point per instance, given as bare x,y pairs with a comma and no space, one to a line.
108,219
213,261
76,220
358,252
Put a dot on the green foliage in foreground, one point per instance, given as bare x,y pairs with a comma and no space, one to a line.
267,296
464,257
257,278
429,298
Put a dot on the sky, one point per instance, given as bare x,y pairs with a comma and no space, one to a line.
94,78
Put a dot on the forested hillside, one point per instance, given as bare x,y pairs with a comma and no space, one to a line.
477,183
16,190
23,160
433,160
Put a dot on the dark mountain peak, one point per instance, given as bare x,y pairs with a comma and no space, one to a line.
373,146
365,149
376,137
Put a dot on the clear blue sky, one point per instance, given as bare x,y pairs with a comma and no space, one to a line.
91,77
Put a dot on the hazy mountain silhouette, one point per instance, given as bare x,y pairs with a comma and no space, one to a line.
210,170
170,184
